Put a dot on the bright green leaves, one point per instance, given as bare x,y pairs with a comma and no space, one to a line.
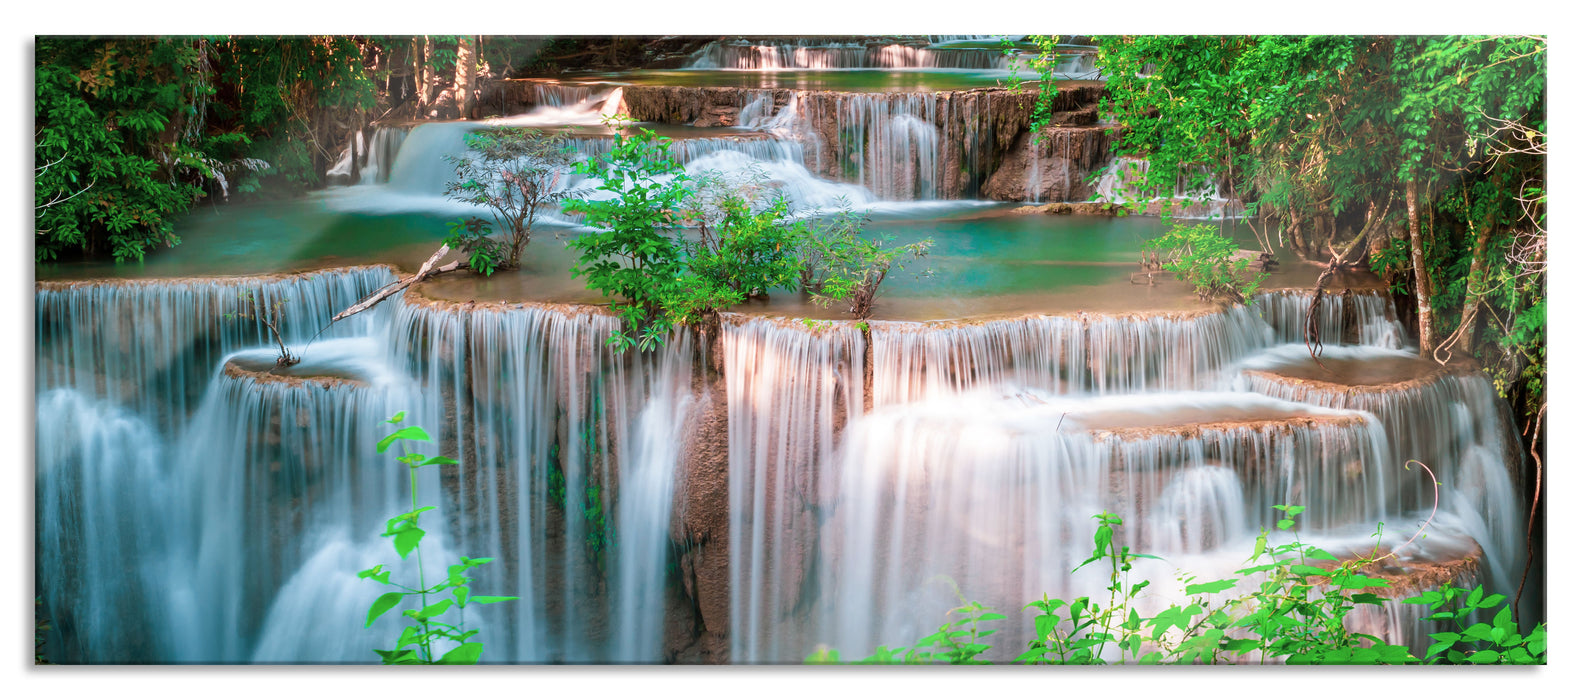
405,531
1209,261
629,253
487,599
377,573
383,605
417,642
1211,587
407,433
464,654
748,243
1285,610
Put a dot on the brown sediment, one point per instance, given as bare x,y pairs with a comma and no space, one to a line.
269,374
65,284
1409,577
1382,375
1190,423
701,522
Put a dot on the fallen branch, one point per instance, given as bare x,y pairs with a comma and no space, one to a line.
390,290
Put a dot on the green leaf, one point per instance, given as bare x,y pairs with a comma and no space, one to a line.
466,654
381,606
408,433
487,599
397,417
397,656
1211,587
1485,656
407,540
439,460
432,610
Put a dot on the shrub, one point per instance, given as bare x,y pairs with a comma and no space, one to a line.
841,265
630,252
1199,255
513,172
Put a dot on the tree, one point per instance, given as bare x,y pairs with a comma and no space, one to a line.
1325,135
466,72
841,265
514,172
747,241
630,252
113,156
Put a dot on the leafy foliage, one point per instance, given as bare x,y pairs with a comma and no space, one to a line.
471,236
108,178
630,253
1289,604
841,265
748,243
131,131
1208,260
1320,134
514,172
420,641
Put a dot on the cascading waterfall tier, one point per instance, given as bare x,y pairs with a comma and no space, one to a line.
804,54
1451,421
790,392
901,146
1083,353
275,473
151,345
990,496
548,416
1348,317
958,406
235,500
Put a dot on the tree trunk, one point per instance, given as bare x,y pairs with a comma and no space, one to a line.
1293,232
424,76
466,71
1425,311
1475,284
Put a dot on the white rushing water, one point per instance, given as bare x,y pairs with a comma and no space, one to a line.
190,511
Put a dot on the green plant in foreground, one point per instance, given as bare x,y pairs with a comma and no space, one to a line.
1202,257
1293,610
417,643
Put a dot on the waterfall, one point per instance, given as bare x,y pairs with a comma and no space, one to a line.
309,446
239,501
1371,315
983,497
890,143
101,489
804,54
789,393
382,154
1086,353
644,509
196,504
151,345
1121,183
